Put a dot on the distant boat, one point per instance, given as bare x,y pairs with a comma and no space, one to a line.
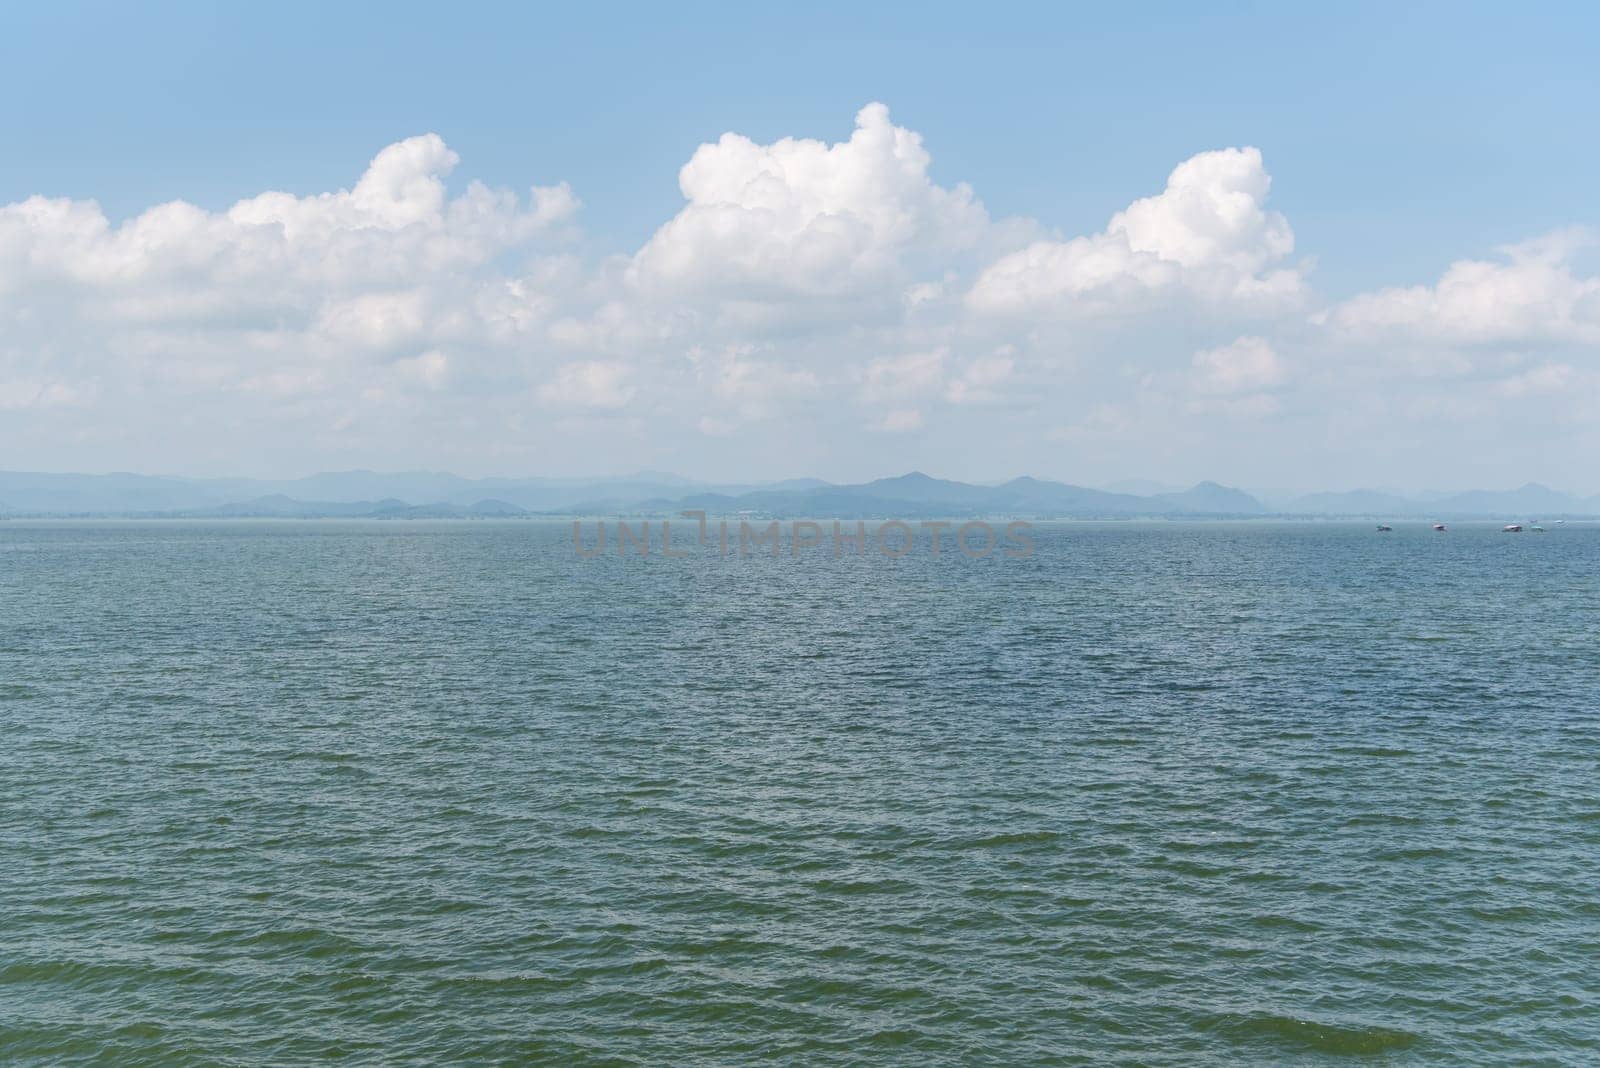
1537,529
1384,528
1438,526
1511,528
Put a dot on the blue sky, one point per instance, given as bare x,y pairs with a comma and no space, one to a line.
1400,139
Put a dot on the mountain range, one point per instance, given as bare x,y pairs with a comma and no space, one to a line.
433,494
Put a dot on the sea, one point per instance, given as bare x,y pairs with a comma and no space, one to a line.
450,792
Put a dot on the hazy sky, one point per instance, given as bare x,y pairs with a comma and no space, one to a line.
1269,246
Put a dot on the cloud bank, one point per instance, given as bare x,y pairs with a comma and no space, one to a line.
812,307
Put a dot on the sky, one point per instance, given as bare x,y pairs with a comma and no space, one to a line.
1262,244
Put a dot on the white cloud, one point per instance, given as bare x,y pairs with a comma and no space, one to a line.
740,386
1207,235
588,384
1558,393
431,370
899,421
22,393
1247,365
274,260
890,379
808,301
980,381
1212,213
377,322
803,220
1532,296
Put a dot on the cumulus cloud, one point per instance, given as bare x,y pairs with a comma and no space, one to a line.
348,270
810,304
1531,295
801,219
1208,234
738,386
982,380
430,370
1247,365
588,384
888,379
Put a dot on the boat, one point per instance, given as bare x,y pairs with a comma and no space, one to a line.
1439,527
1384,528
1511,528
1537,529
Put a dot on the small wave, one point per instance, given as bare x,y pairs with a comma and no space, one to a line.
1015,838
1312,1035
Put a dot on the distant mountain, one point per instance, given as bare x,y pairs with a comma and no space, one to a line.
915,488
917,495
1528,501
1208,498
33,493
1140,487
277,505
423,494
1353,502
491,507
1531,499
794,484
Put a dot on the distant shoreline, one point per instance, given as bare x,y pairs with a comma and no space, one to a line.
569,517
912,496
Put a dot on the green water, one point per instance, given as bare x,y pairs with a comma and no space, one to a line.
443,793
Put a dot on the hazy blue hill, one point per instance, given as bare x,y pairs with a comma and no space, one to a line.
917,495
1529,500
912,495
491,507
539,495
1525,502
276,505
1355,502
1209,498
705,502
1059,498
915,488
1140,487
527,494
279,506
347,486
794,484
47,493
1040,495
600,495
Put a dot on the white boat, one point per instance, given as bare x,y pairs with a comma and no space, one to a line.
1438,526
1384,528
1511,528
